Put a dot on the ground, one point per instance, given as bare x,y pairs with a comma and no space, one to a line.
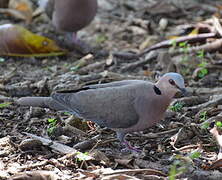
181,146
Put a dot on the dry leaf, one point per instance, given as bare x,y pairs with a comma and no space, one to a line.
183,134
215,165
18,41
35,175
23,7
194,32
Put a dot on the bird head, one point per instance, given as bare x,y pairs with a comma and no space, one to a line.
171,83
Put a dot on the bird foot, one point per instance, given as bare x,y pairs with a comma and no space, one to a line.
81,46
130,148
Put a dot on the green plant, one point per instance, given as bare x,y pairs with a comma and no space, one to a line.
184,59
194,155
50,130
52,121
67,113
52,125
82,156
173,43
203,115
4,105
184,46
177,167
185,71
219,124
181,164
177,107
200,53
101,39
203,70
205,125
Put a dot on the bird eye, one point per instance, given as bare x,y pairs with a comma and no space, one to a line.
171,81
211,125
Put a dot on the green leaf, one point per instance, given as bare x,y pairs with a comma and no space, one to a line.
183,44
51,130
203,64
177,107
4,105
203,72
173,172
82,156
101,39
219,124
200,53
67,113
50,120
194,155
174,43
203,116
205,125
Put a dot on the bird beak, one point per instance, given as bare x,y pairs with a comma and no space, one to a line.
183,91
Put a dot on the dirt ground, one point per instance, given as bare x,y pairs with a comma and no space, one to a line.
180,147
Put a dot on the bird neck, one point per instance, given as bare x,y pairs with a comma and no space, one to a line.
165,91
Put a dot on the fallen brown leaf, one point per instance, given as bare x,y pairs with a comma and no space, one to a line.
18,41
23,8
35,175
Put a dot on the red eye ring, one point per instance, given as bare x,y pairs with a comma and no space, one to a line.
172,82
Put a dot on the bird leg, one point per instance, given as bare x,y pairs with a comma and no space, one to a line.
131,148
80,45
121,137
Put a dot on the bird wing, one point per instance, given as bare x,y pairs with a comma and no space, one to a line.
114,84
112,107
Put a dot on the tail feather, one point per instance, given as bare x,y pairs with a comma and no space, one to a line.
44,102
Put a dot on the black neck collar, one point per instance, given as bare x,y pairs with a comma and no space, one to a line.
157,90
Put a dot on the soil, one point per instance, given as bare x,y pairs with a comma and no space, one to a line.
180,146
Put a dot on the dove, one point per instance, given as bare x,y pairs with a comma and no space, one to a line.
216,132
71,15
124,106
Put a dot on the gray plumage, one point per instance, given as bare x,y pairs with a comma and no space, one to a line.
71,15
124,106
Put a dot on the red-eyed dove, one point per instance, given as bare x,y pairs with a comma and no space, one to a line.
124,106
71,15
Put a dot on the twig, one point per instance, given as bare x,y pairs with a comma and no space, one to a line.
117,76
183,148
169,43
58,146
86,144
70,129
204,91
35,165
214,102
217,25
155,135
125,55
213,46
91,67
130,66
212,119
136,171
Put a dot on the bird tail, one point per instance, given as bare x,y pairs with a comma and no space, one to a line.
44,102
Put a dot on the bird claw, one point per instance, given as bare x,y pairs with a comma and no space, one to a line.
130,148
81,46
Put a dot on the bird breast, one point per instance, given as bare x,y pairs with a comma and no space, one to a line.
73,15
